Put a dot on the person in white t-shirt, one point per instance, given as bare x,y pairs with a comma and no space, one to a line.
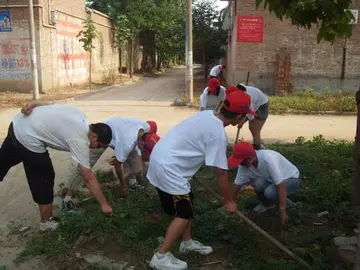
259,104
174,161
61,127
270,173
212,96
128,136
215,71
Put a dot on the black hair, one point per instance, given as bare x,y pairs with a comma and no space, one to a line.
217,91
241,87
103,131
226,113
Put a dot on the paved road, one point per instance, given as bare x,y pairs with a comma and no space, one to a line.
149,99
164,88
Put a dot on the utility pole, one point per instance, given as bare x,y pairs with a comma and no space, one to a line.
189,52
33,51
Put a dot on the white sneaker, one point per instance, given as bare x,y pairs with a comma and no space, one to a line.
166,261
260,208
50,225
195,246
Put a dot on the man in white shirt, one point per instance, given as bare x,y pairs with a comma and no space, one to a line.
215,72
61,127
270,173
260,105
128,135
212,96
174,161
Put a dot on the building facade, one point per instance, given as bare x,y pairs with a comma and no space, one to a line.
282,58
61,60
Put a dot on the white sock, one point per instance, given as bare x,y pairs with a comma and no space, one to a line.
160,256
67,198
132,182
187,242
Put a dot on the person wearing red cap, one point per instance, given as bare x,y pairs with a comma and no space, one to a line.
212,96
150,139
270,173
259,104
174,161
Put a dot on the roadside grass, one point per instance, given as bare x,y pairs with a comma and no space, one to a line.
131,234
299,102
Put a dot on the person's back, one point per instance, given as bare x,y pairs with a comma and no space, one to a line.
54,126
184,149
258,98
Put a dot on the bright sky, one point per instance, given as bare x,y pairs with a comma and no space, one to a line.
222,4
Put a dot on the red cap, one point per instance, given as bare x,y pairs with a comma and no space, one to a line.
213,84
238,102
231,88
241,151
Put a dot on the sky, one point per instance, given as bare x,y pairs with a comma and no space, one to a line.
221,4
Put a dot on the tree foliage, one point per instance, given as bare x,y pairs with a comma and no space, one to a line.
332,17
209,37
88,34
122,30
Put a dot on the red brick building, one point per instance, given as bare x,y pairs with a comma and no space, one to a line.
281,57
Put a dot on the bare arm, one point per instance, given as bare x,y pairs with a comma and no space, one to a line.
229,204
235,191
120,174
94,187
28,108
282,196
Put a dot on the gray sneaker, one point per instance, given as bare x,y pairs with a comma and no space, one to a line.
68,206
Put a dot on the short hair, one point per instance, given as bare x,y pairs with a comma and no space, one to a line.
241,87
103,131
226,113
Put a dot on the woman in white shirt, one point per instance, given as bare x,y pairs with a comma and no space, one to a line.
212,96
259,104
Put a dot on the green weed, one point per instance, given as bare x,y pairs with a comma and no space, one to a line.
326,170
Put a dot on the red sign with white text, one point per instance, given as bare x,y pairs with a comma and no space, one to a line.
250,29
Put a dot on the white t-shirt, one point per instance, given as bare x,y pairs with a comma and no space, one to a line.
125,135
61,127
258,98
211,101
184,149
215,71
272,166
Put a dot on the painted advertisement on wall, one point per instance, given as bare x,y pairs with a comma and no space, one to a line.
5,21
250,29
71,57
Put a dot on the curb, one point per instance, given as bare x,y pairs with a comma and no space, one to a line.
103,89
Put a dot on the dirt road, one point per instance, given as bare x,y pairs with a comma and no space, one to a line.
149,99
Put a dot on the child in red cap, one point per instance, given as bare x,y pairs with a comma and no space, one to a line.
212,96
150,139
269,172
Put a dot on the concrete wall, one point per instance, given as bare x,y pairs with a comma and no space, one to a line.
313,65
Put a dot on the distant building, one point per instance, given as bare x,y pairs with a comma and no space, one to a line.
281,57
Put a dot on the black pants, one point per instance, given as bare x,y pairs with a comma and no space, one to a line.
38,167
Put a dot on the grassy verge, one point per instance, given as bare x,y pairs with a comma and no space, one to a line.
302,102
131,234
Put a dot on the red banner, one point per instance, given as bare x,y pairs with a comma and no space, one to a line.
250,29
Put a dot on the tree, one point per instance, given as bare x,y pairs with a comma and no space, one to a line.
332,17
88,35
209,37
122,34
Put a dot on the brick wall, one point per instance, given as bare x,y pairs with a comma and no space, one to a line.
313,65
61,59
15,62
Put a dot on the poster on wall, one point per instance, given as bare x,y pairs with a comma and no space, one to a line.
5,21
250,29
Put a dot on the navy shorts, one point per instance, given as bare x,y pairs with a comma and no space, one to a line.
263,112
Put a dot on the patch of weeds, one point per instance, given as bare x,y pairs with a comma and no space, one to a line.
326,169
3,267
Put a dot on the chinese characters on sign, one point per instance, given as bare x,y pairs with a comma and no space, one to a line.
250,29
5,21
